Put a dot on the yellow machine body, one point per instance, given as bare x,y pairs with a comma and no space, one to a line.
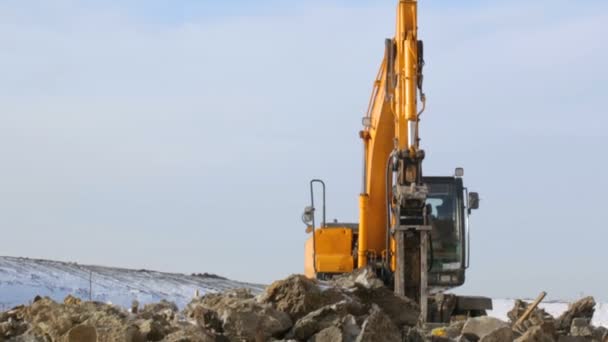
332,249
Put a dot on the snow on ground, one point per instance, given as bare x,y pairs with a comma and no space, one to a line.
21,279
554,308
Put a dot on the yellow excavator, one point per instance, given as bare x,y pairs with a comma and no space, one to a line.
413,229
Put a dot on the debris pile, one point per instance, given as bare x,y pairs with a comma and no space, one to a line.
574,325
354,307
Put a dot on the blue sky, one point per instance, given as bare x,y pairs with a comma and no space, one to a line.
180,136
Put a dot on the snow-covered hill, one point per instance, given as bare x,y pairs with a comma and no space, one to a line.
21,279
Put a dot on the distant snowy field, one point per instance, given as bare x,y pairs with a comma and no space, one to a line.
21,279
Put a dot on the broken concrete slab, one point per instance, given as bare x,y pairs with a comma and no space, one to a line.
583,308
498,335
401,310
477,328
535,334
581,327
329,334
325,317
298,295
379,327
364,277
242,316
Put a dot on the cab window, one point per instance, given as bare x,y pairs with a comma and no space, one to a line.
446,239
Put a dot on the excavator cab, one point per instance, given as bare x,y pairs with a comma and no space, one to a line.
449,206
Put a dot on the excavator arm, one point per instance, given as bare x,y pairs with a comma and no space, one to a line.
411,228
393,221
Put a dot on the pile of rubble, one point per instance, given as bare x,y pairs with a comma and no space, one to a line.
351,308
528,323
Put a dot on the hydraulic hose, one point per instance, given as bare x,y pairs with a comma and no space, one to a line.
388,209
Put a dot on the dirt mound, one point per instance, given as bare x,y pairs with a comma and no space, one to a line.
350,308
353,308
298,295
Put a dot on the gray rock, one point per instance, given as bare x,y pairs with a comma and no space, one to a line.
600,334
364,277
350,328
297,296
401,310
535,334
251,321
331,315
478,327
330,334
243,317
379,327
563,338
583,308
503,334
581,327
